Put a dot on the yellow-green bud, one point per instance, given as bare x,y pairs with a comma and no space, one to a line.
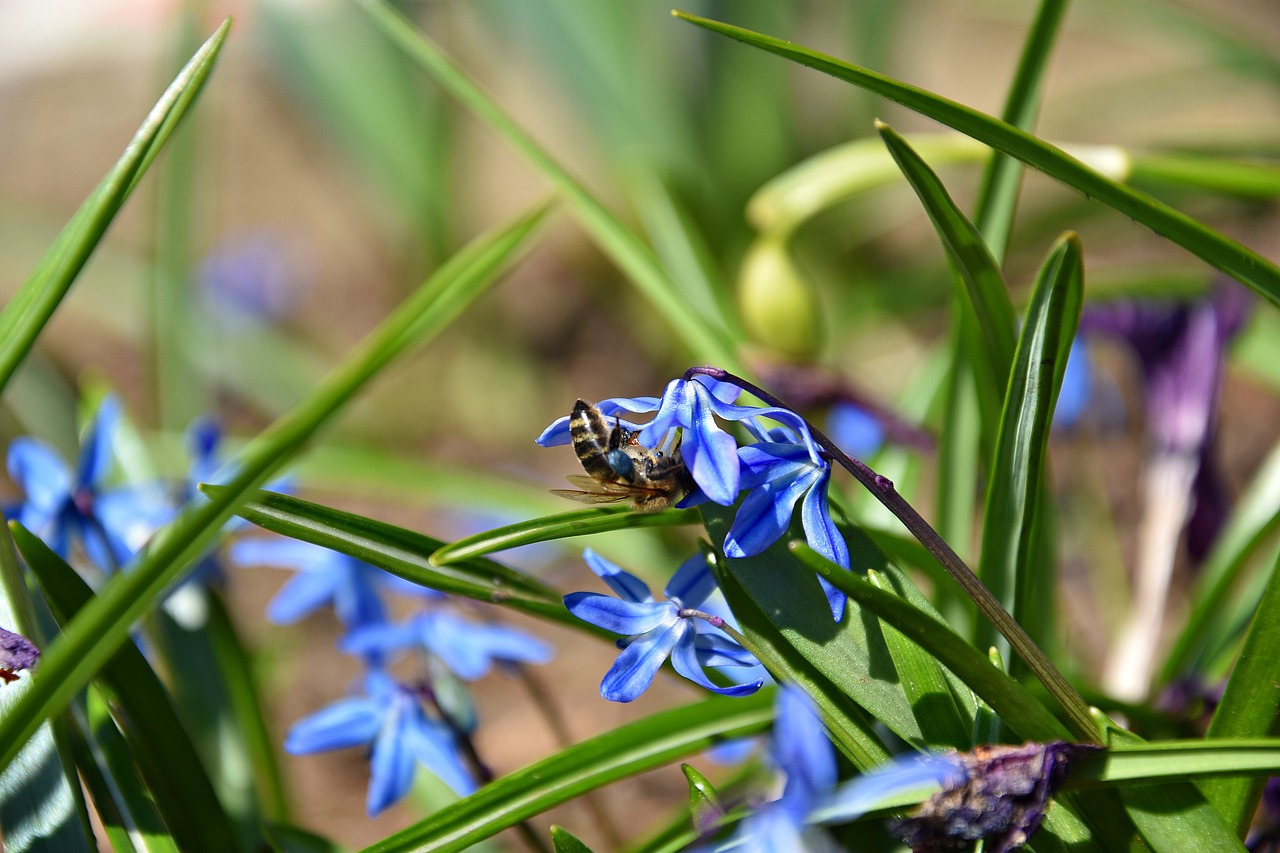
779,307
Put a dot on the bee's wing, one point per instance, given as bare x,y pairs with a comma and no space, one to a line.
593,491
589,497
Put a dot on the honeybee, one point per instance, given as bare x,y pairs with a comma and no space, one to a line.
620,468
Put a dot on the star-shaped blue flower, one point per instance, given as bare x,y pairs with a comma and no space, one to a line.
63,507
390,719
778,474
469,649
802,752
655,630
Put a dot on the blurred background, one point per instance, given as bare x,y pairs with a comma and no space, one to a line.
322,177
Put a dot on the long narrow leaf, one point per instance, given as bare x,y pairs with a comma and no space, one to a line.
706,340
1249,705
579,523
1213,248
1016,707
91,638
1015,491
157,740
650,742
33,305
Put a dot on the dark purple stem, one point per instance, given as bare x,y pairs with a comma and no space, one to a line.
1068,697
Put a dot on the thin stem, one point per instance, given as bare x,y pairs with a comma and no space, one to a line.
482,771
882,488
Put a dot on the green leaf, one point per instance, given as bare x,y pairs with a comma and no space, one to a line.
1016,488
578,523
1213,248
998,194
706,341
704,803
1017,708
407,554
32,306
156,738
105,758
650,742
989,308
1131,761
284,838
563,841
1250,704
1255,516
91,638
40,799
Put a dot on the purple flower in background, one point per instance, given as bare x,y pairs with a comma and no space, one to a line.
469,649
324,577
16,654
654,630
249,279
64,507
1181,348
390,719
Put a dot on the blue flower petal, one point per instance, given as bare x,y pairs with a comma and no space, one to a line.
820,531
302,594
719,650
381,639
692,582
684,657
626,585
349,722
434,748
36,469
620,617
801,747
391,765
856,431
633,671
855,798
765,515
95,450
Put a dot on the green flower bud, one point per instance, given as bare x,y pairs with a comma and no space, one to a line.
779,307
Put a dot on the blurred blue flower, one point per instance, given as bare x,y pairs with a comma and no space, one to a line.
324,577
467,648
855,430
777,475
64,507
250,279
801,750
391,720
655,630
1077,387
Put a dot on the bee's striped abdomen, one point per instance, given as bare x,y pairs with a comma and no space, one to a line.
592,439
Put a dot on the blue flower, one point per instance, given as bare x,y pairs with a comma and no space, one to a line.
391,720
801,750
655,630
779,474
467,648
710,453
64,507
324,577
855,430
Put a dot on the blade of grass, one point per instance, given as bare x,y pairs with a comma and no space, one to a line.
650,742
40,799
579,523
1016,491
998,192
91,638
1250,704
157,741
34,303
1213,248
986,297
407,554
706,340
